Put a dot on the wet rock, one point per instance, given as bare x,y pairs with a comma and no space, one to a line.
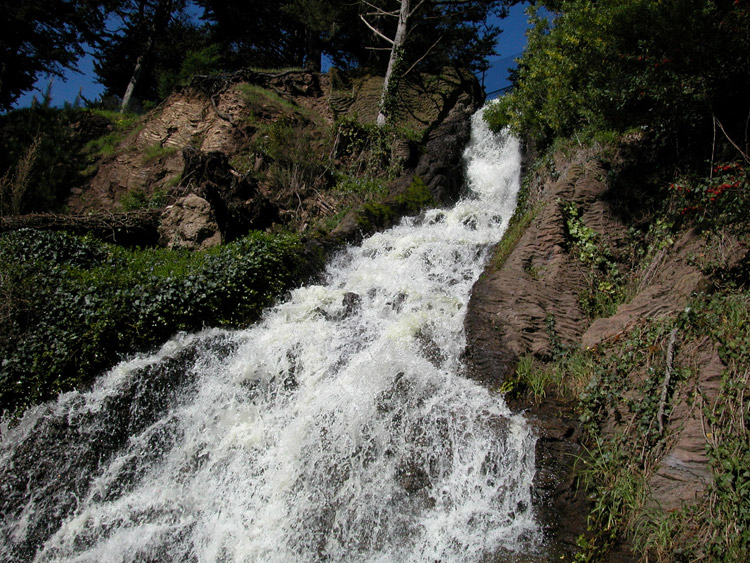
412,477
352,303
429,348
397,303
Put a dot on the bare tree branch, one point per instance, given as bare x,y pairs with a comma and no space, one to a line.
376,31
423,56
379,11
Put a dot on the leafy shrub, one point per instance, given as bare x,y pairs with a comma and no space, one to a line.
670,68
137,198
296,160
197,61
722,199
72,306
366,147
605,283
362,187
54,138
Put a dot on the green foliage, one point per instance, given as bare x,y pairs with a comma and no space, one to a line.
119,126
137,198
157,151
627,378
42,153
606,285
415,198
566,375
255,95
205,60
363,188
517,226
498,113
295,154
383,213
619,491
365,146
725,534
15,182
666,67
375,214
162,38
71,306
720,200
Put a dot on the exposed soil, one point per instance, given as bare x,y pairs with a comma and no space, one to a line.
232,117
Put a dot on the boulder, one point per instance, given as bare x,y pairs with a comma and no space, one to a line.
189,223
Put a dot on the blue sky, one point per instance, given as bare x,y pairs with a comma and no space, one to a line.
510,45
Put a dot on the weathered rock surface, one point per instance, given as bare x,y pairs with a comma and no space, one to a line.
211,139
509,316
511,308
664,290
189,223
683,473
439,165
510,312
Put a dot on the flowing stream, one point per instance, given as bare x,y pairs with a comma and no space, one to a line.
339,428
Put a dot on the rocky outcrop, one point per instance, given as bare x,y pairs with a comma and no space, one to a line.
190,224
521,307
255,145
512,308
439,165
664,289
531,304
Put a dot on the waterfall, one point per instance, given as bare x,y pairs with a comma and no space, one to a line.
338,428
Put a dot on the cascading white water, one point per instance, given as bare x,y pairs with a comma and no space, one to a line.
339,428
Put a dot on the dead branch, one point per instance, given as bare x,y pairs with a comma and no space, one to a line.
667,377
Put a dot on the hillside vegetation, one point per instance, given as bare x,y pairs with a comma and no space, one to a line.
236,186
632,239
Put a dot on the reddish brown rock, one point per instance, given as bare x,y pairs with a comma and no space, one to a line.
542,279
664,290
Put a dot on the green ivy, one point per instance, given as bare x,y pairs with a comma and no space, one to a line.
71,306
666,67
605,285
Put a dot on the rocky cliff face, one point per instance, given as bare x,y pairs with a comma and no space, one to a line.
535,305
265,150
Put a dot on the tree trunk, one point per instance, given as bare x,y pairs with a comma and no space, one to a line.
158,23
390,84
134,79
313,52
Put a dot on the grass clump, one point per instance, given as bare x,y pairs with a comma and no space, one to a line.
137,198
256,96
157,151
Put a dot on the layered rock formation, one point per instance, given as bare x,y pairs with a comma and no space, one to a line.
255,146
531,304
